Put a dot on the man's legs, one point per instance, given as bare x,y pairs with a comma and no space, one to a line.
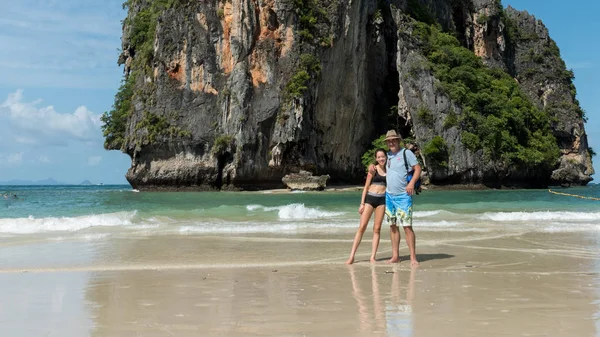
395,237
390,212
411,243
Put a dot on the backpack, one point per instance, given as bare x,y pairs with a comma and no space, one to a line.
409,175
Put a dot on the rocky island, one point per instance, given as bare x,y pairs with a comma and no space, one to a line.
235,94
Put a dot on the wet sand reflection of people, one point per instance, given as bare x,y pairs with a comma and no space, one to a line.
389,315
398,312
370,320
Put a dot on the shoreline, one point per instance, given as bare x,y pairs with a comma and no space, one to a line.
332,188
335,188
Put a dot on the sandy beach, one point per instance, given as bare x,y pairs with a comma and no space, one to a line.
468,284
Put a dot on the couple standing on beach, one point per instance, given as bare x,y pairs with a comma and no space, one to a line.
387,192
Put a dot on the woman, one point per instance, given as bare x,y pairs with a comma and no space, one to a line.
373,199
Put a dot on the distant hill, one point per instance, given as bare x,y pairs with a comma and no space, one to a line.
86,182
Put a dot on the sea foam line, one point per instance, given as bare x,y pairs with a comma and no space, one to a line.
295,211
543,216
31,225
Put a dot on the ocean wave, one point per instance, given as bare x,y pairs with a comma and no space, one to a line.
31,225
539,216
570,228
295,212
442,223
424,214
249,227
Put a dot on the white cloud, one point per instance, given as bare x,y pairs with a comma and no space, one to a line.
13,159
32,124
44,159
24,140
94,160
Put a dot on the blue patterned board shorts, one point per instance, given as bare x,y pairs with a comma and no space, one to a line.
398,208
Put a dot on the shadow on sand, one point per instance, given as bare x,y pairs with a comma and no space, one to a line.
420,257
427,257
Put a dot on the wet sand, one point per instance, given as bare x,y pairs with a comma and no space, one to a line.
468,284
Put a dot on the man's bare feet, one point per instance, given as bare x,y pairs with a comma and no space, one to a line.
394,260
414,263
373,260
350,261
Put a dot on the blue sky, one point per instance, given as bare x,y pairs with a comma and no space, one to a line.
59,74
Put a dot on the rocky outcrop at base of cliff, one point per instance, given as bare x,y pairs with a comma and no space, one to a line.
305,181
237,94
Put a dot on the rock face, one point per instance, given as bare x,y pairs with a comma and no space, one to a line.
305,181
238,93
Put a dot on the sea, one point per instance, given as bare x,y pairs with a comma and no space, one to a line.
102,212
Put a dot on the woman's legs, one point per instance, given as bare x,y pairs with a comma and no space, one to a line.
379,214
364,221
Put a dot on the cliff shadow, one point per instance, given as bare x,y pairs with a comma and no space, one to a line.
222,160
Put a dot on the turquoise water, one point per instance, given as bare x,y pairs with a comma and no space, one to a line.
60,210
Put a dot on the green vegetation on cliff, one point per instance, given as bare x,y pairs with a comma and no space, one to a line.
312,29
497,116
221,144
309,68
158,126
436,151
310,14
115,121
140,29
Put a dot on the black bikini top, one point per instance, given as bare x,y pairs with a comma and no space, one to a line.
378,179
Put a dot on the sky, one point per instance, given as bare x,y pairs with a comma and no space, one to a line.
59,73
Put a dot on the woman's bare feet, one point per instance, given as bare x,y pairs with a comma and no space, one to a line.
373,260
414,263
394,260
350,261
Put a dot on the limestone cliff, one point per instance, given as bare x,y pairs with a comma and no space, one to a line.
237,93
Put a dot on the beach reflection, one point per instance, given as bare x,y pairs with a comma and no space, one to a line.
384,308
504,287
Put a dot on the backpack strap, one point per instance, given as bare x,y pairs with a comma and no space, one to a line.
405,163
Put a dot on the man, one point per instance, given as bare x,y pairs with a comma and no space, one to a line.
398,195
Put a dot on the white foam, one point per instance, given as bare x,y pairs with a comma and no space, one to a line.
299,211
241,228
566,228
31,225
424,214
253,227
254,207
295,211
94,237
541,216
442,223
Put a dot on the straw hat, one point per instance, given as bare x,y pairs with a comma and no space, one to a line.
391,134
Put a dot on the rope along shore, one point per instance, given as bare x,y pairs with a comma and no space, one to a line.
573,195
